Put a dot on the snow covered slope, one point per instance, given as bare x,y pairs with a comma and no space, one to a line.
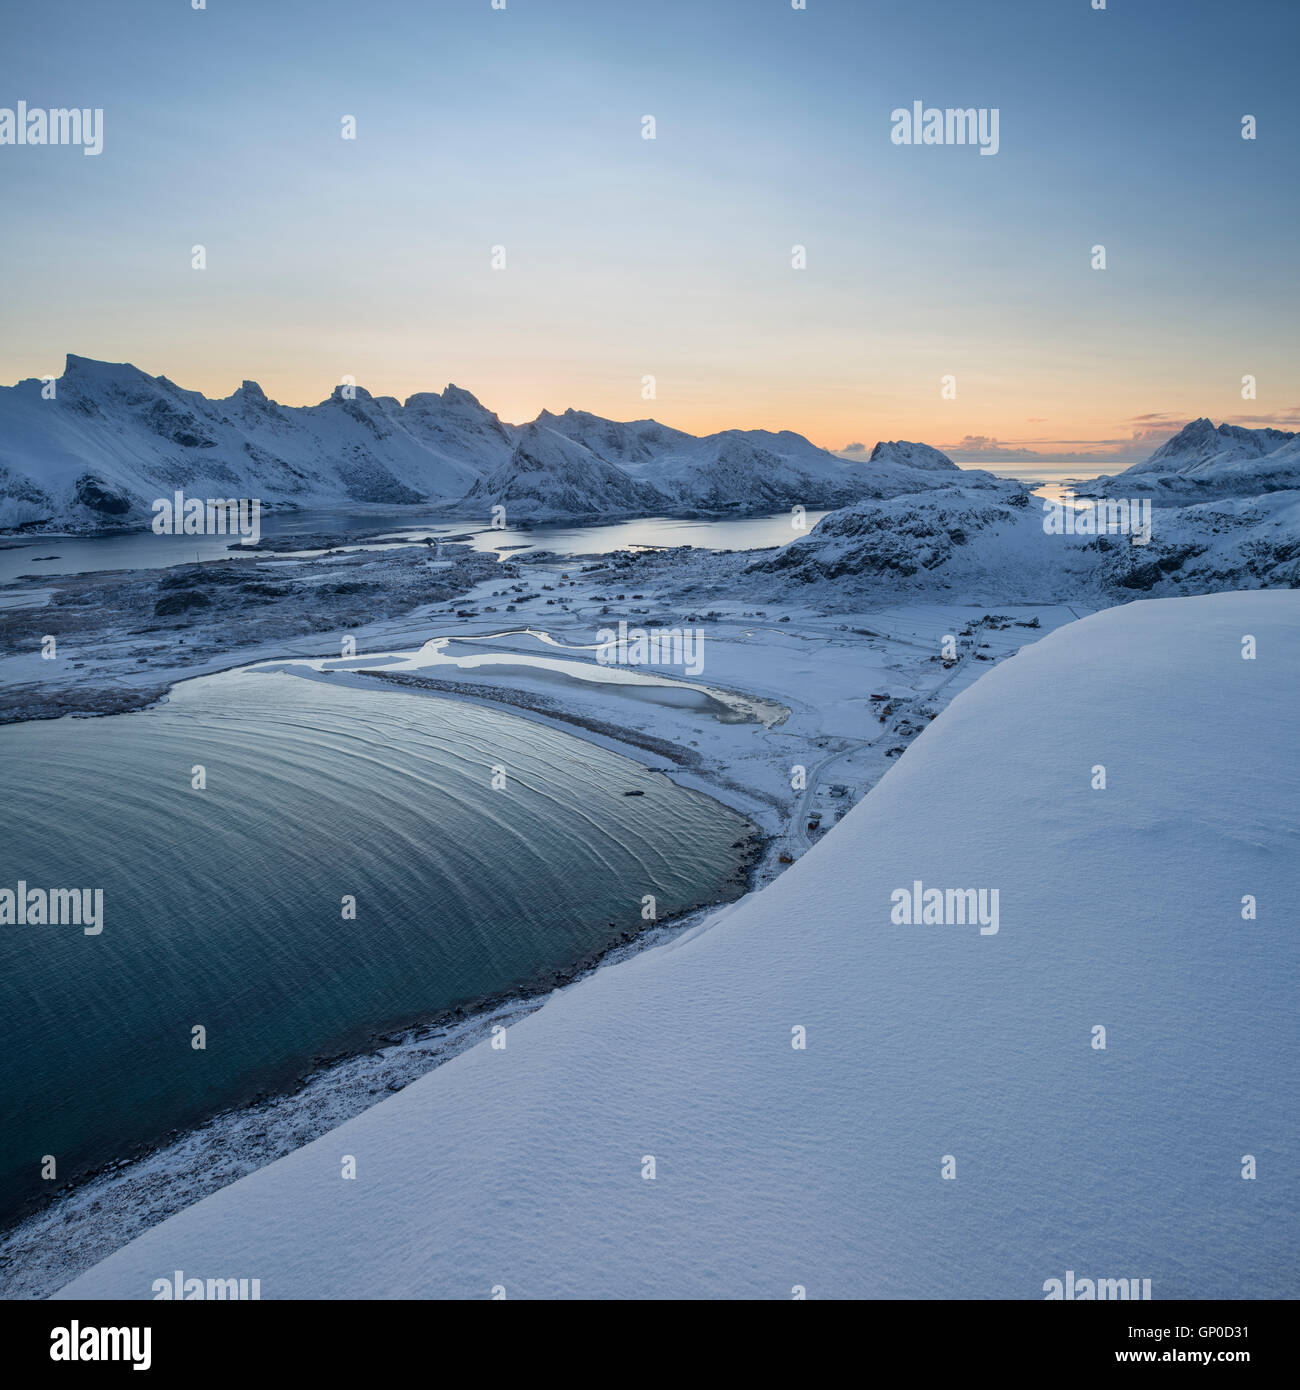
1203,461
983,540
756,467
550,475
631,442
672,472
777,1167
736,468
906,454
114,438
988,542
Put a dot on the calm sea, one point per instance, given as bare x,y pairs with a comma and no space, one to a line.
224,907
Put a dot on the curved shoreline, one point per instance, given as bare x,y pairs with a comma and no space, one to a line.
100,1209
108,1207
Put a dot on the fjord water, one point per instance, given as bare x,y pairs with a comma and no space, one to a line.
223,907
47,556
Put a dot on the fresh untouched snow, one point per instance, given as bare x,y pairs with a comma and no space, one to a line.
527,1169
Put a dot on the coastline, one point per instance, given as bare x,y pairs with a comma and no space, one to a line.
743,766
98,1210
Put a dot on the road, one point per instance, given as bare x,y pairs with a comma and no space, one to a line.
798,830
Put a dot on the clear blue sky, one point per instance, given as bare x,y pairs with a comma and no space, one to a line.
628,257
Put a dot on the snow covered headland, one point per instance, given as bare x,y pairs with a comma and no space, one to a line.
1204,461
807,1093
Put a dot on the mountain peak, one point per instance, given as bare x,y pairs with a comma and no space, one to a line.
457,395
1198,429
359,393
1199,437
89,370
911,454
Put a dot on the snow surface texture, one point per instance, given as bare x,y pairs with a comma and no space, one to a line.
821,1168
113,438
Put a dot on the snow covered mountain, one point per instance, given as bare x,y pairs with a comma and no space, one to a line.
624,443
114,438
111,439
905,454
785,469
990,543
736,468
949,1129
1204,461
736,471
987,541
551,475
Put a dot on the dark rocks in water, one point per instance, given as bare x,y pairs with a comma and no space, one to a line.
171,604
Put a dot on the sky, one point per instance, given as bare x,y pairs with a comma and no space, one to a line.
629,258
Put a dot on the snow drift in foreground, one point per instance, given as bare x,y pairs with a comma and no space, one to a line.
777,1167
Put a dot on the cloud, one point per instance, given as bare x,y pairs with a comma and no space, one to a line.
1146,433
985,446
987,449
1160,422
1288,419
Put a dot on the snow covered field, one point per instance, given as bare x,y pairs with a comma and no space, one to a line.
818,667
652,1131
811,678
